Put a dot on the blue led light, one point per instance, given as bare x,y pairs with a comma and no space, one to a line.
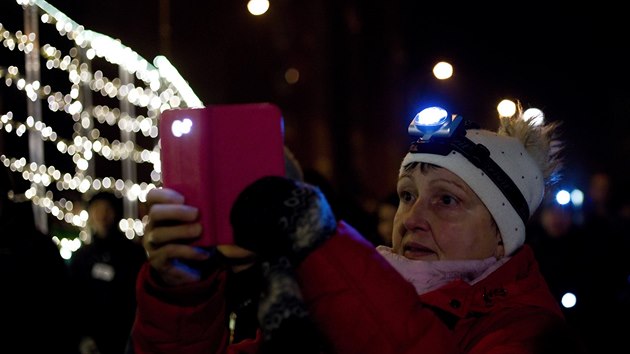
432,116
433,121
563,197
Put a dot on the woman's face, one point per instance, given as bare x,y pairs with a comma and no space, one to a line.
440,218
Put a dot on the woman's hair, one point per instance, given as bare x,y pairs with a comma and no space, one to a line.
540,141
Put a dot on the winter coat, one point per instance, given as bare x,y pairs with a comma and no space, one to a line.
363,305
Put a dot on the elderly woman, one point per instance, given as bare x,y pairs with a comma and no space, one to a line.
457,279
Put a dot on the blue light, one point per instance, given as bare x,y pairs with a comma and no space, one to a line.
563,197
434,121
432,116
577,197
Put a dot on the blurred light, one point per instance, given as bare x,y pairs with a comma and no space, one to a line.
181,127
506,108
257,7
563,197
443,70
536,116
568,300
65,253
292,75
169,72
577,197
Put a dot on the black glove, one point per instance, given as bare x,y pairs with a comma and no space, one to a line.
278,217
282,221
282,315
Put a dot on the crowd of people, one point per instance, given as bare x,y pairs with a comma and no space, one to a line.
470,255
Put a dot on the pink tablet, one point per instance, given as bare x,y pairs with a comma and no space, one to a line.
211,154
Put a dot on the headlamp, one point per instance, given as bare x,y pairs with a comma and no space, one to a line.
441,134
434,121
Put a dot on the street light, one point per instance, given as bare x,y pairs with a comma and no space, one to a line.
506,108
257,7
443,70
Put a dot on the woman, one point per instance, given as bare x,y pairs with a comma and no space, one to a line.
457,278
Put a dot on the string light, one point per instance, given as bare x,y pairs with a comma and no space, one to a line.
162,88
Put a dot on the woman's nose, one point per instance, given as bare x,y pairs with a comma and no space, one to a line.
416,216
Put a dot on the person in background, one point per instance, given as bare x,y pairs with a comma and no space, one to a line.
34,285
103,273
599,196
557,242
457,279
559,247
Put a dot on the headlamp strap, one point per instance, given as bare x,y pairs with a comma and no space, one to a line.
478,155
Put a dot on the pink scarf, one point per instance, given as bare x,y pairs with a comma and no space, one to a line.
430,275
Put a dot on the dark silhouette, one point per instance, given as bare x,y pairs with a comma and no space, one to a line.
104,274
345,208
34,294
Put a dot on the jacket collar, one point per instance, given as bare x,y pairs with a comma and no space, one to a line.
518,281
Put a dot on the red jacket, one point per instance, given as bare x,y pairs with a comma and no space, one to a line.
362,305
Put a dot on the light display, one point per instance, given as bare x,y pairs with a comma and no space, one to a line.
137,84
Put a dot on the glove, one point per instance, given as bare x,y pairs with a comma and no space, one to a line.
282,315
277,217
282,221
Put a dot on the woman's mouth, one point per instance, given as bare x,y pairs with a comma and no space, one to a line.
413,250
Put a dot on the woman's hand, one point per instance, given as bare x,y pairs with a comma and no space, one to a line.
172,226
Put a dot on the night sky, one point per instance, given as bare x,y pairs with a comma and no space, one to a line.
365,68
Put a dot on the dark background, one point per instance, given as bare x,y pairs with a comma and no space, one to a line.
365,69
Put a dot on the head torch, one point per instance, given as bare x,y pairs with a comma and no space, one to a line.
440,133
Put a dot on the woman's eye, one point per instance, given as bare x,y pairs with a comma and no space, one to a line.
406,197
448,200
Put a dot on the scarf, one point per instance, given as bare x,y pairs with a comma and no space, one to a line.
430,275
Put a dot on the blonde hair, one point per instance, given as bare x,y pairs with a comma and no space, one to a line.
541,142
